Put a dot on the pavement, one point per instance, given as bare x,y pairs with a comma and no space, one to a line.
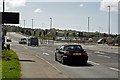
33,66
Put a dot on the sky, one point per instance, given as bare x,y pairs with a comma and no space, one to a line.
67,14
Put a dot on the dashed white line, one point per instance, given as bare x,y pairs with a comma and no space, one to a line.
114,69
104,56
99,52
46,54
93,63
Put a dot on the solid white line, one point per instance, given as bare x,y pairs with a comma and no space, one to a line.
46,54
104,56
49,64
114,69
93,63
99,52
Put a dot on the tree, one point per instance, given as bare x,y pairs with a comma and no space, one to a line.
74,34
80,34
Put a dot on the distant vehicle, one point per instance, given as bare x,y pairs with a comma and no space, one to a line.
23,41
71,53
100,41
33,41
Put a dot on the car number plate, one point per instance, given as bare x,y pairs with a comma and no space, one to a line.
76,53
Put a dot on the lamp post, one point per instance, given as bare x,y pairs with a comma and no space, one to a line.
50,23
24,23
88,23
109,22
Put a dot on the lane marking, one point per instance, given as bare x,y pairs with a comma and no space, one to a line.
46,54
114,69
89,53
93,63
50,64
104,56
99,52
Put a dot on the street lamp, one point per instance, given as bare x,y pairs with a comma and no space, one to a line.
24,23
50,23
32,24
88,23
109,22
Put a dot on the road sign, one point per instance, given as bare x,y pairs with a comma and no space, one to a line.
10,17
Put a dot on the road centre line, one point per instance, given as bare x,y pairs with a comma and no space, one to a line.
93,63
46,54
50,64
99,52
114,69
104,56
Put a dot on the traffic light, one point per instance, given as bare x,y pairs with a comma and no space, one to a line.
56,33
45,32
105,35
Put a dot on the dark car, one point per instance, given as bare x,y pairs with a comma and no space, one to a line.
23,41
33,41
71,54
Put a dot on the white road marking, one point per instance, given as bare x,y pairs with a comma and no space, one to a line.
46,54
114,69
99,52
104,56
93,63
89,53
50,64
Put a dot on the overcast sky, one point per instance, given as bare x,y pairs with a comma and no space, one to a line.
67,14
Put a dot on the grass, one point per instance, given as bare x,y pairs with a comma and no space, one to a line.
10,65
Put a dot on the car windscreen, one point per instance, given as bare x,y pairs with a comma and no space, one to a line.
23,39
73,48
34,39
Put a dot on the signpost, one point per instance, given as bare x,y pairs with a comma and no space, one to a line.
7,18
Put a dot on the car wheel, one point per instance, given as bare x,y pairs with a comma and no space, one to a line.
62,60
56,58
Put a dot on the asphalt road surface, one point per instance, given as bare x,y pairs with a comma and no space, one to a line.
100,64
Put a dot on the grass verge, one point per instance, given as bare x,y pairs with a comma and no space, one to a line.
10,65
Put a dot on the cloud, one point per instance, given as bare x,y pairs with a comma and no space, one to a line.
112,3
12,3
81,5
38,10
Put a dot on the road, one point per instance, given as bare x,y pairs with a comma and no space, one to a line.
101,64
